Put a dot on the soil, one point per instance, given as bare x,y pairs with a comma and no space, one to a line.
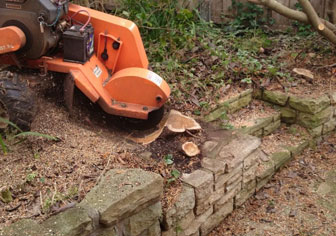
292,135
247,116
299,200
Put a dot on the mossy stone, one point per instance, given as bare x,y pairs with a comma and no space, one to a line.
275,97
309,105
288,115
311,121
281,158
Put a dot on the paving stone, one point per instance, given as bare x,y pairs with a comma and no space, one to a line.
271,127
122,193
216,218
275,97
26,227
72,222
309,105
281,158
288,115
312,121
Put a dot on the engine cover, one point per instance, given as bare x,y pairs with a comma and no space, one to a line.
38,20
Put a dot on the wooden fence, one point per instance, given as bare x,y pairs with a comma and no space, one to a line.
220,11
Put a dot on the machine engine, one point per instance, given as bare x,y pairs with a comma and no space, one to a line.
40,20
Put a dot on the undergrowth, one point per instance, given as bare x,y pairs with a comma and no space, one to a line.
199,59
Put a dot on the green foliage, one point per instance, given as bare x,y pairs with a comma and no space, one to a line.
175,174
163,24
17,136
248,16
169,159
301,28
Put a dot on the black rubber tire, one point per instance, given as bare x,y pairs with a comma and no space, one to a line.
332,11
18,100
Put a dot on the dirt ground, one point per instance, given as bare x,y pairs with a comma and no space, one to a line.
45,176
300,200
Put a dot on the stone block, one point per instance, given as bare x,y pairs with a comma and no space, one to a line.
154,230
26,227
258,125
183,205
74,221
216,218
316,132
186,220
288,115
193,228
216,166
202,181
265,169
312,121
280,158
258,133
143,220
253,159
226,198
223,179
204,204
272,127
245,194
238,149
329,126
234,185
257,94
122,193
277,116
217,113
297,150
240,103
208,147
261,182
309,105
332,97
250,174
246,92
275,97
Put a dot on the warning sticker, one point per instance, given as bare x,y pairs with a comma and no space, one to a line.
97,71
155,78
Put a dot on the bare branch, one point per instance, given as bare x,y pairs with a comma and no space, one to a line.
316,22
290,13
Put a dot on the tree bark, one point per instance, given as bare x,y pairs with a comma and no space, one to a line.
290,13
316,22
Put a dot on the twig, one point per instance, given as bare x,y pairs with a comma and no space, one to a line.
327,66
188,132
103,172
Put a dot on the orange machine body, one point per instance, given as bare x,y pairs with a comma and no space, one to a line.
121,84
13,39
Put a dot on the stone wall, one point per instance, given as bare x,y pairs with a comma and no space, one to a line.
125,202
315,114
233,169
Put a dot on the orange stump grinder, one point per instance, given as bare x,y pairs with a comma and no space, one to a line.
102,54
